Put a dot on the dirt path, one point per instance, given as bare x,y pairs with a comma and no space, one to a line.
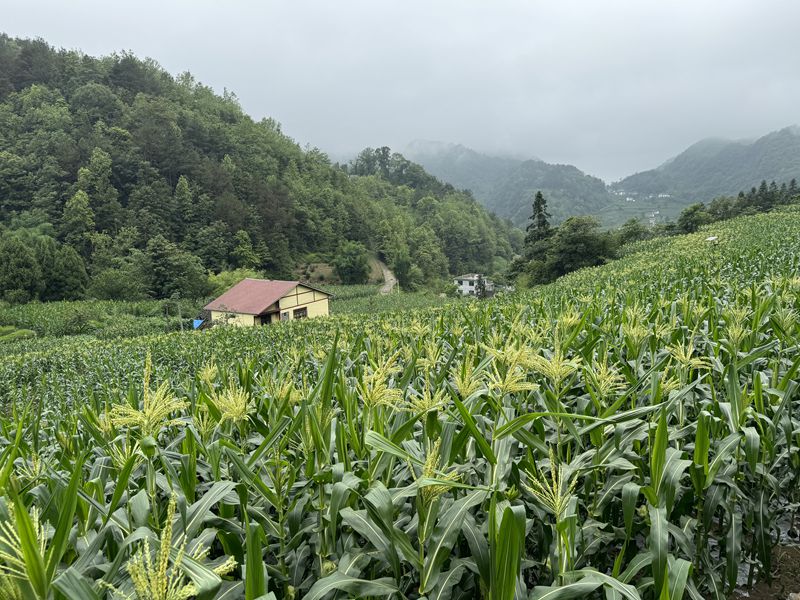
389,280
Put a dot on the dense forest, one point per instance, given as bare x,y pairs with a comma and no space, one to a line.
118,180
714,167
505,185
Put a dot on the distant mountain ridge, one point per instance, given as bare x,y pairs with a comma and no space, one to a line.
717,167
506,185
705,170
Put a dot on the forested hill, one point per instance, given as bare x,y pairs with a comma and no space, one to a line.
506,185
714,167
145,181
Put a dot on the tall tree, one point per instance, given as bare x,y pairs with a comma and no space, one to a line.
95,180
69,275
174,271
539,227
243,254
21,275
77,223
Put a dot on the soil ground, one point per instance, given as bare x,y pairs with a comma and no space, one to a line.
785,577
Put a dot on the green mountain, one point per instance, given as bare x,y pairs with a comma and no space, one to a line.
716,167
142,182
506,185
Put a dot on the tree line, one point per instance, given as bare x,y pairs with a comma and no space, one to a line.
550,252
142,184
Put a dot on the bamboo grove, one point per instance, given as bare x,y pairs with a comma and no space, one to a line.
630,431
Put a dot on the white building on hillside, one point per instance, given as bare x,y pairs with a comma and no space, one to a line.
470,284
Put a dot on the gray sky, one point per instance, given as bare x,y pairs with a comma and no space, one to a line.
612,87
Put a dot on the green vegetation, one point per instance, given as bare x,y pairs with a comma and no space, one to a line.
9,333
352,263
714,168
117,319
504,185
630,431
706,170
578,242
118,181
102,319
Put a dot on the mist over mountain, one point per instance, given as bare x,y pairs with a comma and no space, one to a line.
506,184
708,169
716,167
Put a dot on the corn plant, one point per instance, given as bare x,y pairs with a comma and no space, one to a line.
630,431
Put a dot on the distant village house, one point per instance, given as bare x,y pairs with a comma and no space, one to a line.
254,302
471,284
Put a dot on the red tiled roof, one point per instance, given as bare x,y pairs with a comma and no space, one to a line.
252,296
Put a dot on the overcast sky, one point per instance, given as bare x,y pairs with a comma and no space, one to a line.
612,87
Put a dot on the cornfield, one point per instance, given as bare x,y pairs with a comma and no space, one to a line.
631,431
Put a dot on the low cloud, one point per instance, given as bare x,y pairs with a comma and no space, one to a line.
610,87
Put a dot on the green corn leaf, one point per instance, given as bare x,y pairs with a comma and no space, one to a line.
470,424
639,562
509,544
702,443
658,452
447,580
569,591
11,452
372,532
233,591
74,586
733,549
763,536
612,584
630,495
256,483
671,476
752,447
679,573
58,544
255,581
444,536
724,450
377,441
34,561
270,440
479,549
658,542
121,485
352,586
200,510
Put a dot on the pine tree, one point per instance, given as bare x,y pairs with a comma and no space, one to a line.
539,227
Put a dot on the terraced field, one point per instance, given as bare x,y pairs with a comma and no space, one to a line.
630,431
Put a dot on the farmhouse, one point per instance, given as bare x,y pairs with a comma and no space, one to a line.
471,284
262,301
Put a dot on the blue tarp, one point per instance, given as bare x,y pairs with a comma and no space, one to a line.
197,323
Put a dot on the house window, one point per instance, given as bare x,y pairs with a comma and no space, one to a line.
300,313
285,316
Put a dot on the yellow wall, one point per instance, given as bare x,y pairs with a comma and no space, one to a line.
232,318
316,303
